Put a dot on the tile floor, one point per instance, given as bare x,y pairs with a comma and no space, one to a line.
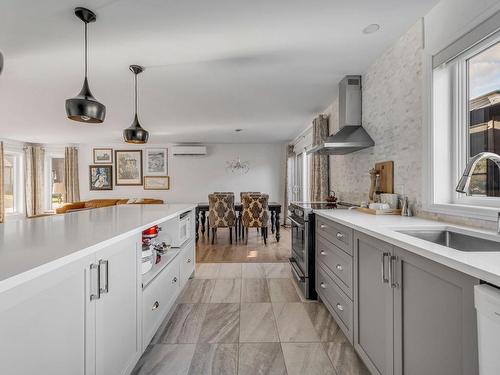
248,319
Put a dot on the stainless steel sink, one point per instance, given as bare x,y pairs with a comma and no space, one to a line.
454,239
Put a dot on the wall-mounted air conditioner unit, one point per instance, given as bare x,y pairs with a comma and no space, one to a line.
189,150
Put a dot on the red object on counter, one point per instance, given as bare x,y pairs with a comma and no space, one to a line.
150,232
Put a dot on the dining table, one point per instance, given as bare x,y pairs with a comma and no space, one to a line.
202,222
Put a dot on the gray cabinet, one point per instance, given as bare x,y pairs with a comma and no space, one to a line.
434,318
373,304
412,316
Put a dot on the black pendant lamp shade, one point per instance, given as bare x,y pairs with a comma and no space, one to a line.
84,107
135,132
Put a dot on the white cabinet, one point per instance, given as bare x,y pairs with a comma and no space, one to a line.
117,340
42,323
187,262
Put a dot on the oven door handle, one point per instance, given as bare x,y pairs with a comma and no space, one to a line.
296,270
296,222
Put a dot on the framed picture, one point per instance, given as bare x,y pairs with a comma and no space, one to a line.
156,162
156,183
100,177
103,156
128,167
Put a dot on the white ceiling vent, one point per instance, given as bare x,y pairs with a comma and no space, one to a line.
189,150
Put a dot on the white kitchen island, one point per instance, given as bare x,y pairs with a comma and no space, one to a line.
71,290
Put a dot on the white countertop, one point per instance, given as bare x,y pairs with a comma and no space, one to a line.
31,247
482,265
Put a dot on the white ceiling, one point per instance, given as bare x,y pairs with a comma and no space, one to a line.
266,66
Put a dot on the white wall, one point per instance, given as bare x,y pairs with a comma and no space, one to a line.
192,178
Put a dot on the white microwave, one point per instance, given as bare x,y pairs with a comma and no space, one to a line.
178,229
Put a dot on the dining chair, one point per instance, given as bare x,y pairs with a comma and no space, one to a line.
255,214
239,225
221,214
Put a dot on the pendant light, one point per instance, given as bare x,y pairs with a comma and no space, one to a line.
135,133
84,107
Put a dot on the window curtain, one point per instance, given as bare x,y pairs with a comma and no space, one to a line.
71,182
289,179
319,175
34,160
2,202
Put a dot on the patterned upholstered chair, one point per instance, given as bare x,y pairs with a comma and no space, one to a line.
255,213
221,213
239,224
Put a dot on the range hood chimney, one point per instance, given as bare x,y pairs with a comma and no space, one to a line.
351,137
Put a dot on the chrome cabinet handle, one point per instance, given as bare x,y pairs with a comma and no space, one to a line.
340,307
339,267
174,280
340,236
323,226
105,265
97,294
155,305
385,280
392,264
322,252
323,285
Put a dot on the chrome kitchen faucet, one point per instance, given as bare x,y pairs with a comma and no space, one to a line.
464,182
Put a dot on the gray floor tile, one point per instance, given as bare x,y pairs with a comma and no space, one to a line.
207,270
306,358
282,290
197,291
229,271
215,359
255,290
221,324
277,270
253,271
261,359
322,320
344,358
257,323
227,291
293,323
185,324
162,359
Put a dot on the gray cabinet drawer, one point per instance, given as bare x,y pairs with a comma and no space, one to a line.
337,302
337,261
336,233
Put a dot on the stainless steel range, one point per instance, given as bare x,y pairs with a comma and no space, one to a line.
302,258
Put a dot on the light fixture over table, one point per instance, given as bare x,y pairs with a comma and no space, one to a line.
84,107
135,133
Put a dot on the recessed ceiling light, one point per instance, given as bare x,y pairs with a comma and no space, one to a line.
238,130
370,29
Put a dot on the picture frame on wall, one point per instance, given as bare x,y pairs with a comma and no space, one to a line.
156,183
156,162
128,167
100,177
103,155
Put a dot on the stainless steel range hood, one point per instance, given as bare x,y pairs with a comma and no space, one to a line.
351,137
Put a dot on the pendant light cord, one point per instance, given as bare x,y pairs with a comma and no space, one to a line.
85,49
135,76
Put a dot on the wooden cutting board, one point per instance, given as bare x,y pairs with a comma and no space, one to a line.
386,171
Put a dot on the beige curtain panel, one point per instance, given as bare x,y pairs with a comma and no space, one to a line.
71,183
320,171
2,202
34,157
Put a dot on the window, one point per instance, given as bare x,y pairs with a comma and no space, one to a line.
13,198
56,183
484,118
465,122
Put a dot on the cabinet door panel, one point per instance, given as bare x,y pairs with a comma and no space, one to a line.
373,306
117,333
42,323
187,263
435,320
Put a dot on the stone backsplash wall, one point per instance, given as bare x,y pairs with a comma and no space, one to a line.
392,115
